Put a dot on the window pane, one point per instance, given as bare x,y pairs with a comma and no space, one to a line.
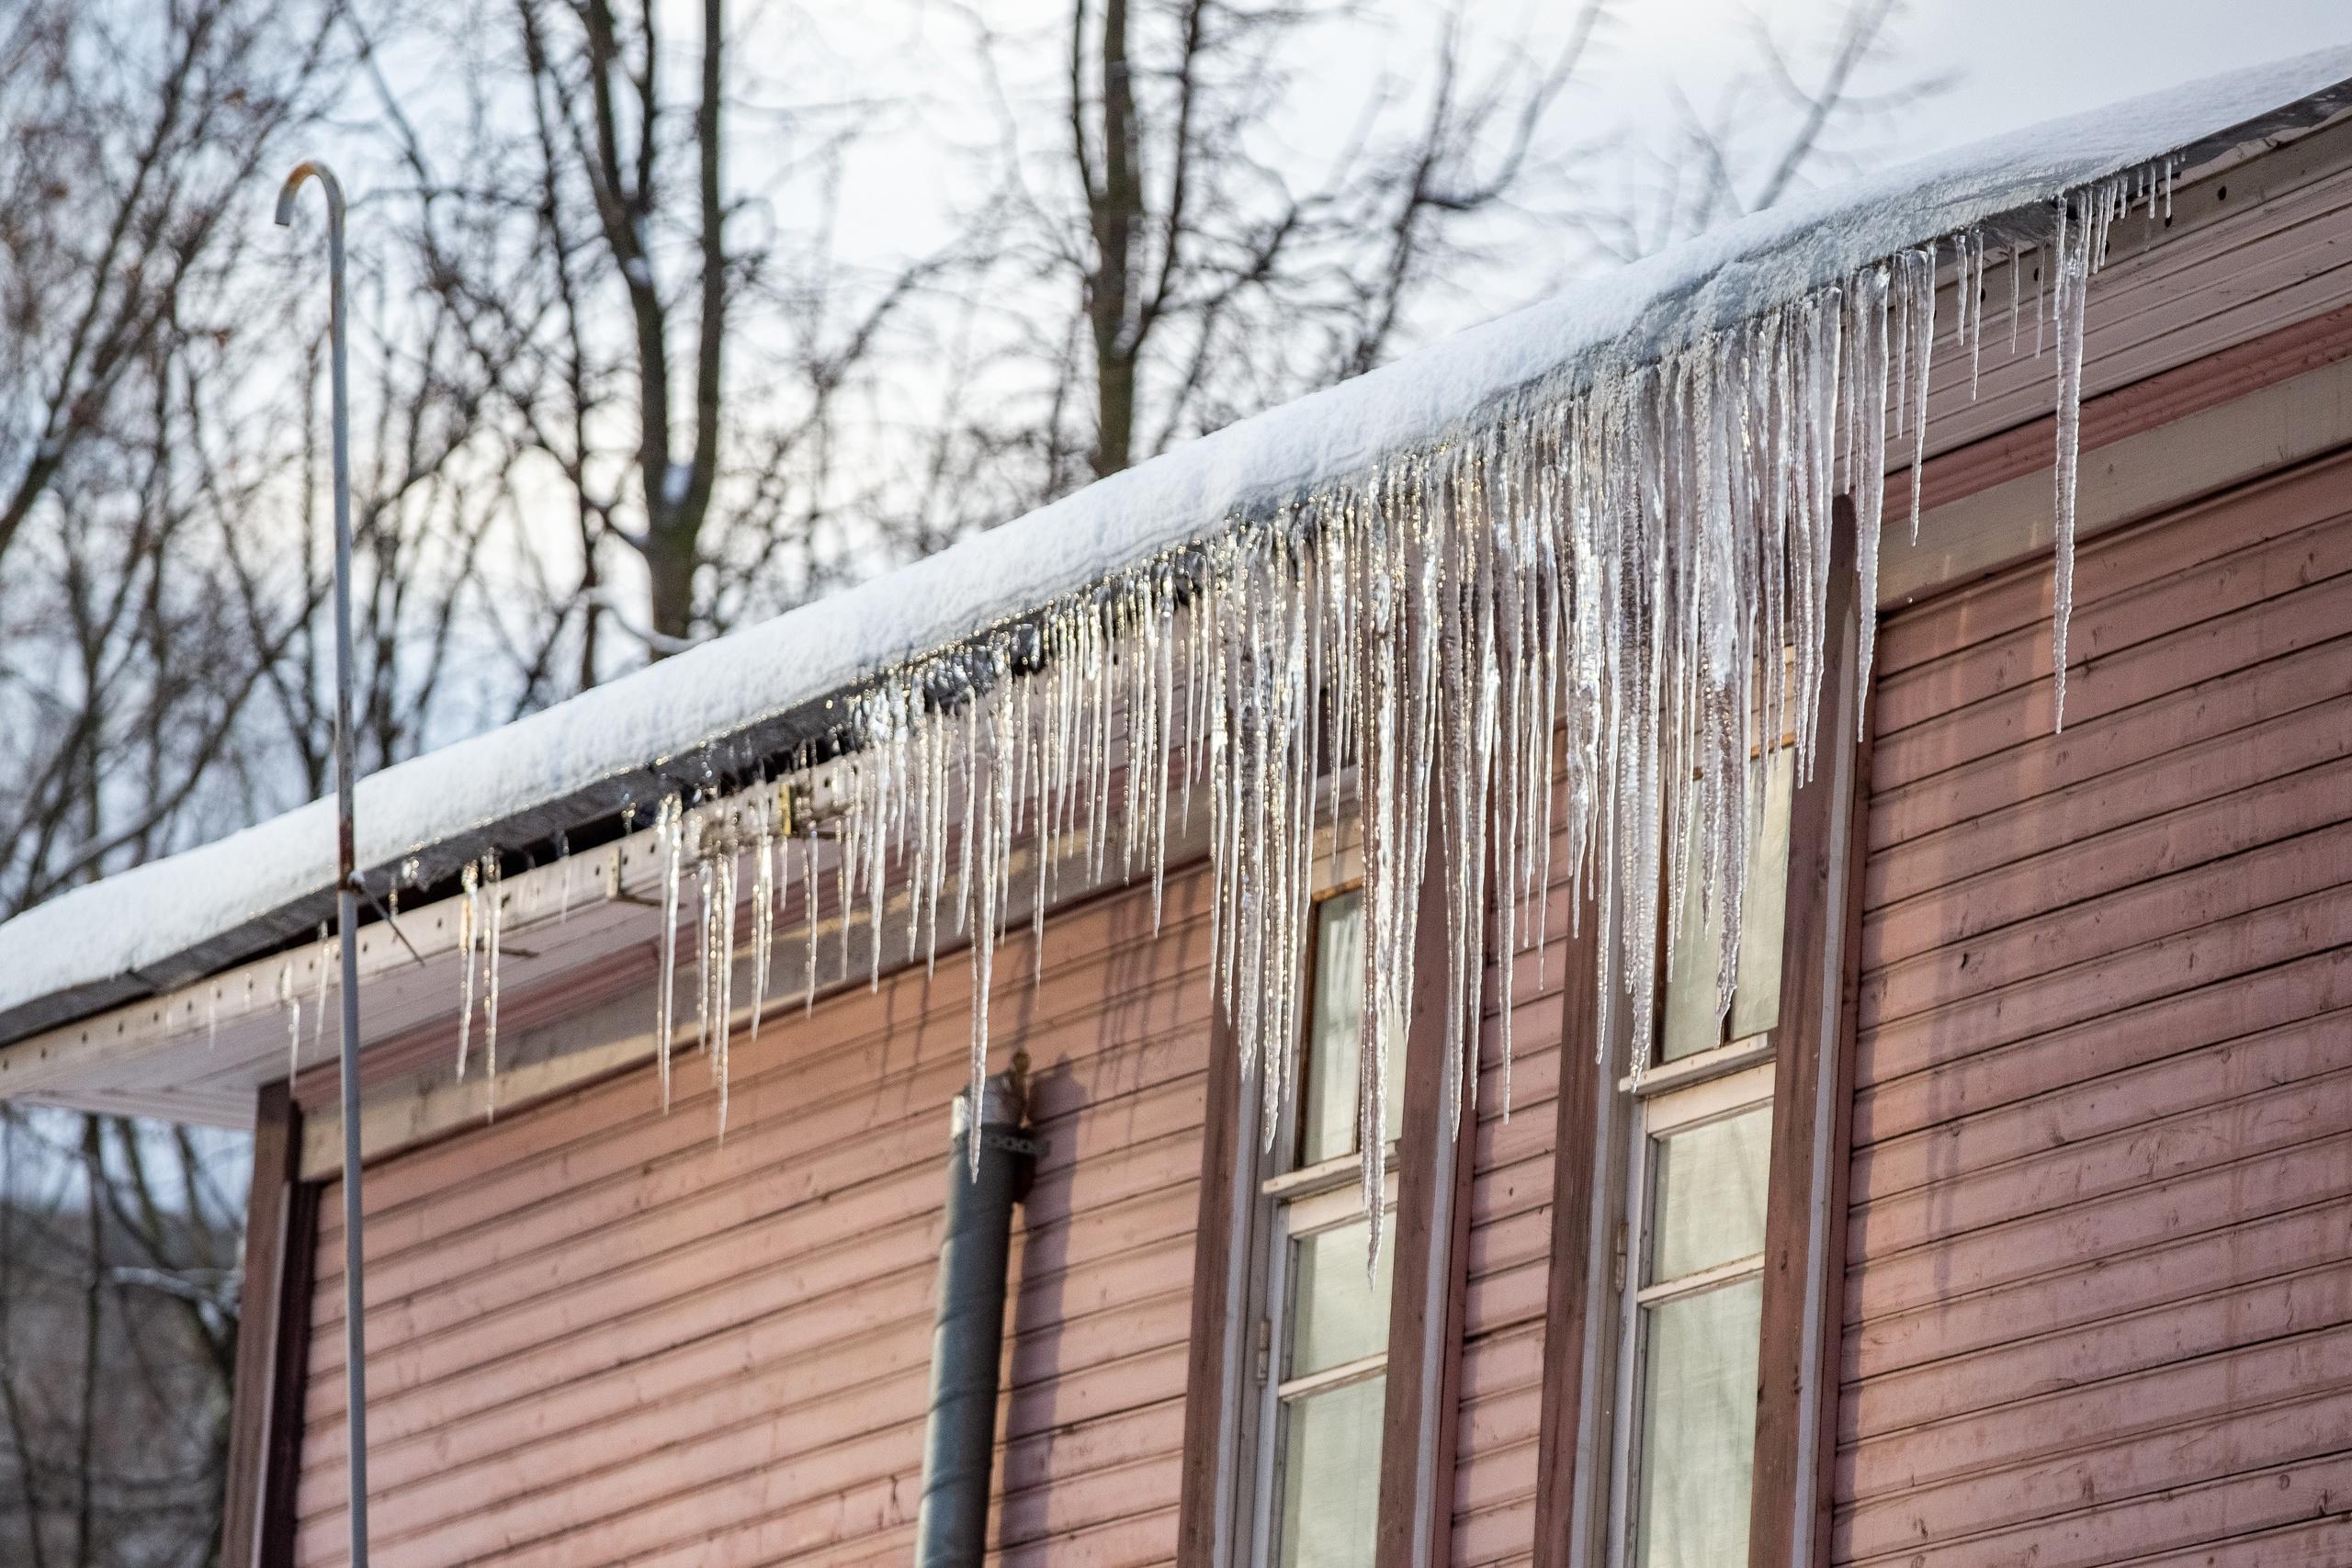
1336,1313
1331,1475
1707,1202
1756,1001
1327,1111
1690,1023
1698,1428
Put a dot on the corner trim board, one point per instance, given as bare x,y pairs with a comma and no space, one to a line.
1805,1223
1421,1422
273,1343
1216,1350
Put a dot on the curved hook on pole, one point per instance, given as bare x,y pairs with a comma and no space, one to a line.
347,886
310,168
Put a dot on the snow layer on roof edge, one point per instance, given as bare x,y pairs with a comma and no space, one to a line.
144,916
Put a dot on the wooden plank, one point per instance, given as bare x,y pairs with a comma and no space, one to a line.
273,1327
2211,379
2283,843
2305,618
1419,1424
2115,620
2180,1518
2155,1092
2066,1423
2148,1149
2219,705
672,1367
2170,966
848,1050
2265,996
758,1175
1908,1271
1804,1227
2109,1313
2128,560
2140,475
2125,1472
2249,829
2264,749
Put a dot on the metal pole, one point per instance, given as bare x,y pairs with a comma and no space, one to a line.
347,901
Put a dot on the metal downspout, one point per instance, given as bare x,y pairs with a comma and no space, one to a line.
967,1339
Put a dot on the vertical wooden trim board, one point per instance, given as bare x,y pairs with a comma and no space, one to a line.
1419,1426
1576,1190
1805,1224
273,1343
1217,1350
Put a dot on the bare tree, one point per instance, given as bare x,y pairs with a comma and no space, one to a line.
660,355
1188,271
117,1330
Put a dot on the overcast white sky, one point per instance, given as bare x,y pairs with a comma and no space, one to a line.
2028,59
2015,61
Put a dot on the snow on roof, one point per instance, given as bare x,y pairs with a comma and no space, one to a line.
170,920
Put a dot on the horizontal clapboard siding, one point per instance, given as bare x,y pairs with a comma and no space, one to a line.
2098,1307
599,1335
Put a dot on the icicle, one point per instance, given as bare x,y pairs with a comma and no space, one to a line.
1589,595
319,1003
1925,293
808,864
705,954
765,897
2075,253
563,852
212,1019
293,1006
494,919
2017,260
669,842
1974,294
717,966
469,930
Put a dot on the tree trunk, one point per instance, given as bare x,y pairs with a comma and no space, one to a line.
670,554
1117,205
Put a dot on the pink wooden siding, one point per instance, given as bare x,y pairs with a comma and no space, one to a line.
2099,1299
1511,1236
598,1334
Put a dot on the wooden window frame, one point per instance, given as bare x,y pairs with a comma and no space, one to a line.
1420,1412
1725,1080
1791,1493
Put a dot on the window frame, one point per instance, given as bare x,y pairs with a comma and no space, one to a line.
1580,1424
1282,1190
1732,1080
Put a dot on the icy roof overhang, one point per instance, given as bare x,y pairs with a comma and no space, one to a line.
771,686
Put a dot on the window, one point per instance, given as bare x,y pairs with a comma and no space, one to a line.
1688,1025
1323,1320
1694,1302
1689,1259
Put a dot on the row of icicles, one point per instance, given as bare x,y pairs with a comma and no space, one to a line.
1583,595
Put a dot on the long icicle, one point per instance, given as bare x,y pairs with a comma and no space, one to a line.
1557,633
